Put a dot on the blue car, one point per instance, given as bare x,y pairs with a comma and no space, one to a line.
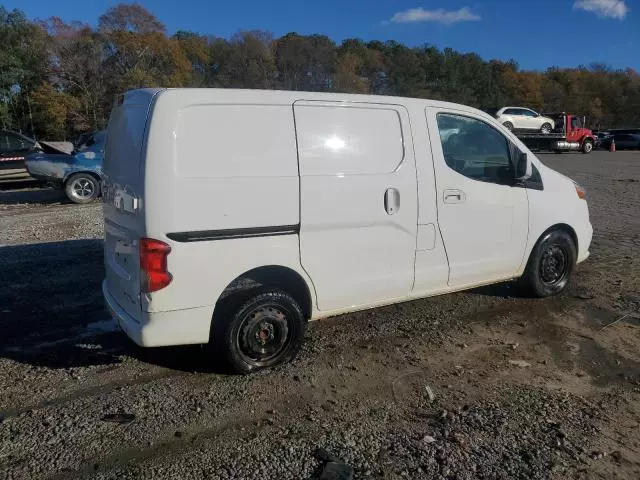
78,173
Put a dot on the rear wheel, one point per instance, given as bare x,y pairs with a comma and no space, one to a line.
82,188
262,330
550,265
546,128
587,146
508,126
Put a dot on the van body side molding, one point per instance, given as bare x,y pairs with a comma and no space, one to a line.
233,233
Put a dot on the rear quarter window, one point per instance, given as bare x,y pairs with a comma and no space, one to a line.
217,141
346,140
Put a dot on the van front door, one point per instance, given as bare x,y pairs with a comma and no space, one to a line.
358,201
483,216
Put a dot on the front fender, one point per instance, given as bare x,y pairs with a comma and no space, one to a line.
77,169
505,118
85,162
47,167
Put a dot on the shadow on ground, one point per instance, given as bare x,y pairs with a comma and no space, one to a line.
500,290
52,312
31,193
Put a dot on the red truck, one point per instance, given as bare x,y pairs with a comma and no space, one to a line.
569,134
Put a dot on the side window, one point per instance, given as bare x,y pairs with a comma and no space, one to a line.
15,143
512,111
529,113
475,149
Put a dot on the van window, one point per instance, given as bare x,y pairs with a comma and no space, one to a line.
124,142
218,141
475,149
345,140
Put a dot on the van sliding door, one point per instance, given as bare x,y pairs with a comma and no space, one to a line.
358,201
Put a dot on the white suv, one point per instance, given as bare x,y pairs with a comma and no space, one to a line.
517,118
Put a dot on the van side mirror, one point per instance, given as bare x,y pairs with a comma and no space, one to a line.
524,169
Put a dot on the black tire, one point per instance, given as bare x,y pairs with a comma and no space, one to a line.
508,126
550,265
587,146
546,128
259,329
82,188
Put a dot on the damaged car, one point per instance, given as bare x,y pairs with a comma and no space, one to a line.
79,173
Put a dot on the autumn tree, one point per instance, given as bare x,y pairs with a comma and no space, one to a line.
23,64
139,54
369,66
58,78
348,78
77,68
196,49
247,61
54,111
305,62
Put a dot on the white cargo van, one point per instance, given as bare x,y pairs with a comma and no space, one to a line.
233,217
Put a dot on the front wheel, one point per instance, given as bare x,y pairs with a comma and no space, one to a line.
265,330
508,126
587,146
546,129
82,188
550,265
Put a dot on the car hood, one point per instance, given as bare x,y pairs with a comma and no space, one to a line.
64,148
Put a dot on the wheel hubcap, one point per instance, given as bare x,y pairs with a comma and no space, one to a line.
264,334
553,266
82,188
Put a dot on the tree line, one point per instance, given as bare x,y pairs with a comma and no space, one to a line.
58,79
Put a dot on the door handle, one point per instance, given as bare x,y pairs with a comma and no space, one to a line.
392,201
454,196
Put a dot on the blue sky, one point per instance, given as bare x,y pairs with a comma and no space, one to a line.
536,33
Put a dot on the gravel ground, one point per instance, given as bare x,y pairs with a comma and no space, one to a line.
480,384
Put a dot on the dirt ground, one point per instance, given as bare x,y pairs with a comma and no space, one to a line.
481,384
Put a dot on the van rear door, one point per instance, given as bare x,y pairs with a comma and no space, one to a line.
122,193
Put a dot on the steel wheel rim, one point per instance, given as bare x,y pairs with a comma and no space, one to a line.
588,146
264,334
553,265
82,188
546,130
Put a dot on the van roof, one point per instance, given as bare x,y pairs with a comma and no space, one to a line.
285,97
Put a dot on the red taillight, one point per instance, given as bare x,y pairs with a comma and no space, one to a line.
153,265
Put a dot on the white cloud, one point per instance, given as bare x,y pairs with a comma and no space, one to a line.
414,15
604,8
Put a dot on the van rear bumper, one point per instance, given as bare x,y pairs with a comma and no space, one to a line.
162,329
